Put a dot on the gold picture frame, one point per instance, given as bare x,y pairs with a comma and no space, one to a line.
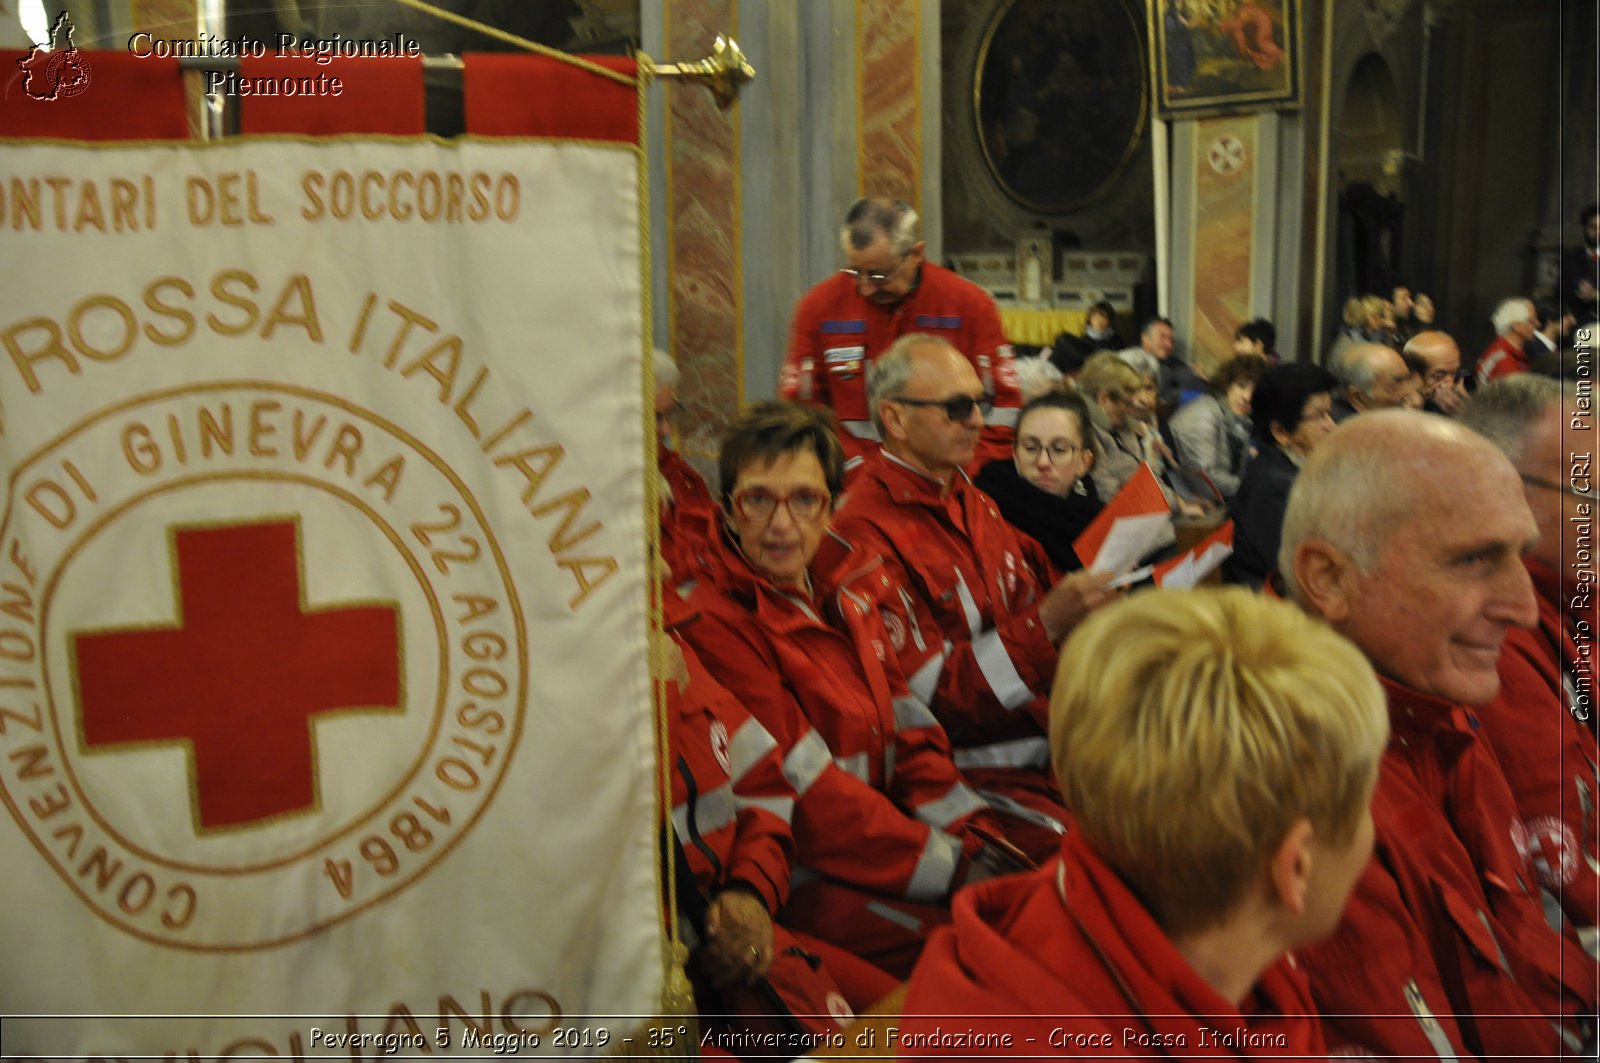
1224,56
1059,99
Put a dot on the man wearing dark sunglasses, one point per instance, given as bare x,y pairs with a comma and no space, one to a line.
974,610
886,290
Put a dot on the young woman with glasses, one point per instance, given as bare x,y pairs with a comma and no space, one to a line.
1044,488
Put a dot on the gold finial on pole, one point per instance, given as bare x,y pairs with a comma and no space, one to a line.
724,71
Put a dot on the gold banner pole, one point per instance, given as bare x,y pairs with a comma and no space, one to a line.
725,71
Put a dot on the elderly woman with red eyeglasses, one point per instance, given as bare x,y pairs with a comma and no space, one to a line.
885,827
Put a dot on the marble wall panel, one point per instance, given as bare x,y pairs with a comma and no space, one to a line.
889,101
1224,174
174,20
703,234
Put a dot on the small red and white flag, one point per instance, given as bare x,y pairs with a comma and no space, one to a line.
1136,522
1199,561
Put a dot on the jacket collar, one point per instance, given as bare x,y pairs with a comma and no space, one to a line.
909,485
1416,717
776,608
1160,985
1546,580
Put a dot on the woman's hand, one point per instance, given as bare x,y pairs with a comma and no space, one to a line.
738,947
1072,599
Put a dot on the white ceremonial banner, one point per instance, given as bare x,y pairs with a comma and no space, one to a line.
324,696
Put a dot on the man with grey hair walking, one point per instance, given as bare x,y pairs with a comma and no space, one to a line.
1405,533
888,289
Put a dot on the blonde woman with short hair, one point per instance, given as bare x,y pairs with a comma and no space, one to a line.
1218,750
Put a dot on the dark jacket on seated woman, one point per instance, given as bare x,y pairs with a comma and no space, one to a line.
1290,407
1055,521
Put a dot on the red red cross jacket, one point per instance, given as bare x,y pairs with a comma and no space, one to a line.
1444,946
1548,755
958,594
881,806
1501,358
731,804
836,333
689,515
731,808
1071,964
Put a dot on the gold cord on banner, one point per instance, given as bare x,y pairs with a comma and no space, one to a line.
520,42
725,71
677,995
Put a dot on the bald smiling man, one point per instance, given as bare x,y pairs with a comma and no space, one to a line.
1405,532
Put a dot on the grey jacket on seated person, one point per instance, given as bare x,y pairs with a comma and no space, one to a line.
1214,440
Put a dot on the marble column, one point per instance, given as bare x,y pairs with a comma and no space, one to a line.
703,212
177,20
1222,238
889,99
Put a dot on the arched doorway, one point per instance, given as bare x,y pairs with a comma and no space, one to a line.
1368,161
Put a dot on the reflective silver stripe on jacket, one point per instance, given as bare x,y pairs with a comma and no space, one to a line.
804,607
1499,953
969,606
782,807
854,599
860,429
935,868
713,809
1002,416
806,762
895,916
913,714
911,620
1016,753
1431,1029
748,745
998,670
1002,803
855,764
958,801
925,681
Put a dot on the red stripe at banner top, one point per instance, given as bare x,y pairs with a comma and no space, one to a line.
341,95
523,95
79,94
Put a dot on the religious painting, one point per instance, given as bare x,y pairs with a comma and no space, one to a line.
1059,98
1224,56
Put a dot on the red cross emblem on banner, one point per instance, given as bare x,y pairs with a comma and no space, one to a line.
242,675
